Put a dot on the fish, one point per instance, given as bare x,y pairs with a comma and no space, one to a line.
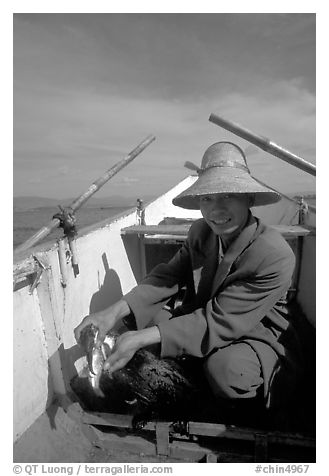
148,387
96,354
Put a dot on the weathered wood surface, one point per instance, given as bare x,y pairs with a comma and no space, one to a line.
25,268
182,230
264,143
157,229
214,430
203,442
34,264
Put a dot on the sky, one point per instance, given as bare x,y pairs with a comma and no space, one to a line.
88,88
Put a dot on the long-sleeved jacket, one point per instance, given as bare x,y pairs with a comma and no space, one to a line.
241,299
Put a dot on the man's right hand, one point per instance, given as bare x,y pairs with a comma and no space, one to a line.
104,320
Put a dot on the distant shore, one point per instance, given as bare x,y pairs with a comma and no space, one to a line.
27,222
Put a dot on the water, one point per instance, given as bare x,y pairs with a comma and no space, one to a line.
27,223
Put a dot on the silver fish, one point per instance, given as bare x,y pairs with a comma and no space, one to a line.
96,355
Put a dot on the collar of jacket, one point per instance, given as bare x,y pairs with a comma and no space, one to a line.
249,233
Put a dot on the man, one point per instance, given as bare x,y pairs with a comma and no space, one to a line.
237,272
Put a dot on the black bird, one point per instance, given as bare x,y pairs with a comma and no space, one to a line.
149,387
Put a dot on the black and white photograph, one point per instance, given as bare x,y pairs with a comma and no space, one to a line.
164,240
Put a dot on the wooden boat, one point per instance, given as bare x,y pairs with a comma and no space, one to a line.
50,298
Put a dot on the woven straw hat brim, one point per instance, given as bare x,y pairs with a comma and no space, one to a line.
225,180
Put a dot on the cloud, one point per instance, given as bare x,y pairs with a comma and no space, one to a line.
35,180
88,89
284,113
93,131
64,170
129,180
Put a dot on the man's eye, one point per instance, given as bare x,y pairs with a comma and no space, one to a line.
205,199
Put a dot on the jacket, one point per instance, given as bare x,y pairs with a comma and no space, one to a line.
240,299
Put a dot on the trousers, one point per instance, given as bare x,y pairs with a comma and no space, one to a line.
235,371
243,370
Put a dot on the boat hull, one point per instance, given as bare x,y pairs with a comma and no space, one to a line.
50,299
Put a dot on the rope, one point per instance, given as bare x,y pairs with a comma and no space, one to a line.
67,221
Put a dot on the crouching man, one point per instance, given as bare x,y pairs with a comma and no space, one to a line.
236,272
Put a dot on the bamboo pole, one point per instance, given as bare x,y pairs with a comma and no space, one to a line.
78,202
264,143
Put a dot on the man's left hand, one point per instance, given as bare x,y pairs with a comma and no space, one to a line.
124,350
128,344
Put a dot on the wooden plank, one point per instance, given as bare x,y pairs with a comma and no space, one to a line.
264,143
118,443
261,448
211,458
156,229
188,451
293,230
223,431
142,255
193,447
162,438
114,420
24,268
164,239
215,430
182,230
79,201
107,419
219,431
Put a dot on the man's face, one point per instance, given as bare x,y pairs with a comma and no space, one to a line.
225,214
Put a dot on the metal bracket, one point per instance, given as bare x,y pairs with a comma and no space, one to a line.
181,427
41,267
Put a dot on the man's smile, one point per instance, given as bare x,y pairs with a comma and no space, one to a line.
221,221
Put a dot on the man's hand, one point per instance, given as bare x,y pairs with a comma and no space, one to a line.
124,350
104,320
127,345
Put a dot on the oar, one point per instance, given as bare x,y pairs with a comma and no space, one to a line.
264,143
78,202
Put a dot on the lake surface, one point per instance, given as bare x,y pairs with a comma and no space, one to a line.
27,223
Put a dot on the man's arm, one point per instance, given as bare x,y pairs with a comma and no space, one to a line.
233,313
236,311
148,298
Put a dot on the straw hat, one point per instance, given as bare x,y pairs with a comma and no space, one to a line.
224,170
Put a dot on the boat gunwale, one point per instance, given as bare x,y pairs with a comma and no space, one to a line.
51,245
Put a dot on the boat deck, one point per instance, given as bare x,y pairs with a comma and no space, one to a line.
66,433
